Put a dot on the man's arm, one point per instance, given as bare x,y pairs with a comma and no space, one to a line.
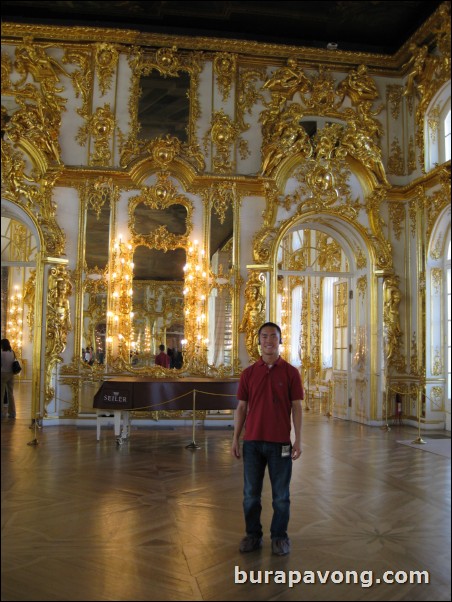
296,418
240,417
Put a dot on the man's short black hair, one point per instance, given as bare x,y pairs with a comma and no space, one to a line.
272,325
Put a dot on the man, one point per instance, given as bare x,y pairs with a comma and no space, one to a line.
162,359
270,394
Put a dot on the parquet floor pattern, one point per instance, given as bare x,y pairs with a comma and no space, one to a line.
152,520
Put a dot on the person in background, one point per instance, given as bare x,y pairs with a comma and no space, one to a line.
162,359
8,356
270,394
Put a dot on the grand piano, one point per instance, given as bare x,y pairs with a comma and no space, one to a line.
120,396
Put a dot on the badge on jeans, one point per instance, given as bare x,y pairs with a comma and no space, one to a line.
285,451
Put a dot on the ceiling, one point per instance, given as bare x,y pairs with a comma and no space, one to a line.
362,26
373,27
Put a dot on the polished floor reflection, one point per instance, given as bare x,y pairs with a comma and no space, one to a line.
152,520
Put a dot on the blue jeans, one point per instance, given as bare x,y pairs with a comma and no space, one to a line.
256,456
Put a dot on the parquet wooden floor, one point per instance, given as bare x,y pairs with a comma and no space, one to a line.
152,520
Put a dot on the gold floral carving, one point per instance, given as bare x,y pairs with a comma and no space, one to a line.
225,66
433,122
397,218
248,94
437,280
361,261
394,95
106,58
82,79
411,156
437,368
361,285
382,245
437,399
100,126
223,133
395,160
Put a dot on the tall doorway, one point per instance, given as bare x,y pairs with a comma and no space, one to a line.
314,309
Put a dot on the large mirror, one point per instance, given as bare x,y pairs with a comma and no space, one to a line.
220,309
97,240
160,224
164,106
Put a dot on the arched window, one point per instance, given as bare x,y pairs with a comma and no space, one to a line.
437,129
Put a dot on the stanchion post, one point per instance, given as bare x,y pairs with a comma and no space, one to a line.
193,445
36,425
419,439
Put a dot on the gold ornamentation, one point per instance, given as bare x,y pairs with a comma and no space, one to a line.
437,399
391,320
433,122
437,280
168,62
361,261
58,324
437,368
288,80
82,79
101,127
106,58
414,364
411,156
196,288
253,314
248,95
160,196
286,136
164,149
29,299
224,66
394,95
383,247
397,218
395,160
100,192
119,314
223,133
358,86
361,285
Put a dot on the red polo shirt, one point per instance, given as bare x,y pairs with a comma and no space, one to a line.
269,393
